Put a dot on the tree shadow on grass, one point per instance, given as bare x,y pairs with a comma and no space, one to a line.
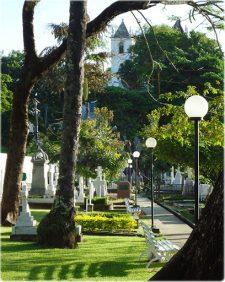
76,270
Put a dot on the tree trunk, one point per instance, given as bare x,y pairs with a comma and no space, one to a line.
62,213
17,147
201,258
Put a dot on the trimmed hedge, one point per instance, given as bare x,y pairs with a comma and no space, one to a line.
100,201
105,222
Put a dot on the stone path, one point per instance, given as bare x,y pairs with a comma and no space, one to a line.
170,226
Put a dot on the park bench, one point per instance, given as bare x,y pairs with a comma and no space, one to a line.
130,208
157,250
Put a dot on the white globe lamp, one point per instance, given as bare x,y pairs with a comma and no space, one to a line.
196,107
136,154
151,143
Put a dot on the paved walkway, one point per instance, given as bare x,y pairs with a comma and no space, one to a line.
170,226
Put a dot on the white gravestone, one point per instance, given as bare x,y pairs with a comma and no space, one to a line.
51,188
188,184
91,190
178,178
25,224
56,175
172,175
99,183
80,198
203,191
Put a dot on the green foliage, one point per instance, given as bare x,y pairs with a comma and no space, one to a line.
174,132
6,93
102,222
99,145
100,201
129,108
196,57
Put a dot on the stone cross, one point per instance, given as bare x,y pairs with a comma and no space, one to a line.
178,177
25,224
80,198
99,171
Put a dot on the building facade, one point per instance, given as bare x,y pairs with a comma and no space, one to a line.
120,44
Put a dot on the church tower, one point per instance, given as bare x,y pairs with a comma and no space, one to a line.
120,43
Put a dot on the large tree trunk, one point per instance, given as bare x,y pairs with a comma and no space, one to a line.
21,97
202,257
33,68
62,213
17,148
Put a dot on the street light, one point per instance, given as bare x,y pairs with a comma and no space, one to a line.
151,143
196,107
129,169
136,155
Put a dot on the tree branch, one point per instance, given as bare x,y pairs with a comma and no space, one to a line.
50,59
115,9
28,29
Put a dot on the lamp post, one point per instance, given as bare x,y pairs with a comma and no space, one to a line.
196,107
129,169
136,155
151,143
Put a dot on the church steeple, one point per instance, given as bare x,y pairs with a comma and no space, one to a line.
120,44
122,31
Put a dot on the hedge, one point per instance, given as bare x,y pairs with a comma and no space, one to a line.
105,222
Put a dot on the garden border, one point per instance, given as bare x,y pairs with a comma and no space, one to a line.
185,220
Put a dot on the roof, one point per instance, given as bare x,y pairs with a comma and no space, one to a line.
122,31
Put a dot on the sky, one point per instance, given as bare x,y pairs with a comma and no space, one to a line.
57,11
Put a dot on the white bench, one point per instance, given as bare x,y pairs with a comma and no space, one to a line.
132,209
157,250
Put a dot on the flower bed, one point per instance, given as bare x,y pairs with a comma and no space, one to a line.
105,222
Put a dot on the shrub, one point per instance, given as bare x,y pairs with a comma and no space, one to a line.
99,201
105,222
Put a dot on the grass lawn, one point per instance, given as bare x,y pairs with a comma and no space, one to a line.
98,258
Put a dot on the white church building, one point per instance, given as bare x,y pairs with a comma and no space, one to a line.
120,44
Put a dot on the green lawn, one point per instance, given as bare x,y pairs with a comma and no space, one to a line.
98,258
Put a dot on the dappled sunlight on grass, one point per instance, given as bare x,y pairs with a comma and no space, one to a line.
97,258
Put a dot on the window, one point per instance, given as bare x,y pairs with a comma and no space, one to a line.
121,48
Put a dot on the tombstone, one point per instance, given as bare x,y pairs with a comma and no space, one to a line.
178,178
91,190
172,175
56,175
188,189
166,179
51,189
100,184
203,191
75,195
25,224
123,190
40,173
80,198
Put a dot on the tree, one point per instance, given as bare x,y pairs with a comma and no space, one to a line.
135,103
100,145
62,231
175,133
32,69
202,256
182,60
